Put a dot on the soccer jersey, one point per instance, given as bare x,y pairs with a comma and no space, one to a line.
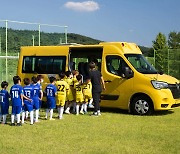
62,88
36,95
50,91
87,89
79,92
28,92
4,101
70,96
50,94
16,91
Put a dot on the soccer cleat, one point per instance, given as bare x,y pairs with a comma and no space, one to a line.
81,112
19,124
67,112
60,118
45,118
12,124
90,106
52,119
31,124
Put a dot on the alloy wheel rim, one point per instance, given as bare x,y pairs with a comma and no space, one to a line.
141,106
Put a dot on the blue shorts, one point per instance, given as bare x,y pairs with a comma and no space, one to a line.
51,103
16,110
36,103
4,108
28,106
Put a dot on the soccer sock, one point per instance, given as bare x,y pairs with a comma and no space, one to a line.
51,113
58,110
12,118
82,108
4,119
27,114
31,117
91,100
47,111
77,109
74,106
85,107
18,118
23,116
61,112
37,115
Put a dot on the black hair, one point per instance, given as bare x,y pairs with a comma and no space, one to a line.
39,77
16,79
4,84
68,73
61,75
79,77
34,79
27,81
52,79
92,65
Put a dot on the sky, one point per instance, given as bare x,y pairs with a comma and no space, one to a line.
137,21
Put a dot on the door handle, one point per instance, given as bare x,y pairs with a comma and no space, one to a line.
107,81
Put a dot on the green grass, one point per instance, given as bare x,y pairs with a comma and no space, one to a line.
115,131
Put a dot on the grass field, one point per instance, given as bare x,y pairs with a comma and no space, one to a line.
115,131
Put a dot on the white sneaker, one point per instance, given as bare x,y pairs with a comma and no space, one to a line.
98,113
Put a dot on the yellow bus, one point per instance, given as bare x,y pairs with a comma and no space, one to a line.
131,82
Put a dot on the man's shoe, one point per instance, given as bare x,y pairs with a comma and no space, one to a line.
94,114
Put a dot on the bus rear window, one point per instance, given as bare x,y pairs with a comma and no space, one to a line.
44,64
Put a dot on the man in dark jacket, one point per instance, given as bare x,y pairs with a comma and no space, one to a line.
96,80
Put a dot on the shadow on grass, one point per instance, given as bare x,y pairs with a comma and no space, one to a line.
126,112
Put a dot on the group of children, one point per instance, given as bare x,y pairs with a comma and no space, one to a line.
65,92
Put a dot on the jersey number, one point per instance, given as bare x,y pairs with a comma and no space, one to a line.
49,92
78,88
15,94
1,98
28,94
61,88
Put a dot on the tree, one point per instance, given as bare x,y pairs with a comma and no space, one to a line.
160,47
174,40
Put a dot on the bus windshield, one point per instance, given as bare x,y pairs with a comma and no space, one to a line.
141,64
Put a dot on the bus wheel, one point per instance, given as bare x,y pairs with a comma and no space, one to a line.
141,105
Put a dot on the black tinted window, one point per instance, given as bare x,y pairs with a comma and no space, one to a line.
115,65
44,64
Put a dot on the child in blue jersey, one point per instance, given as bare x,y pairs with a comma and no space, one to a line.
50,92
40,80
28,105
36,99
17,95
4,101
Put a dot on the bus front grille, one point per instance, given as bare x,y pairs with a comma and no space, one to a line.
175,89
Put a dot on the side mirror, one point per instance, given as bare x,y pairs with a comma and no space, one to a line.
128,73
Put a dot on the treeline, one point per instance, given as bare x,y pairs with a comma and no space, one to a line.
18,38
166,50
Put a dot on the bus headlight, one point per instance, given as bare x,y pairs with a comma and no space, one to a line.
159,84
